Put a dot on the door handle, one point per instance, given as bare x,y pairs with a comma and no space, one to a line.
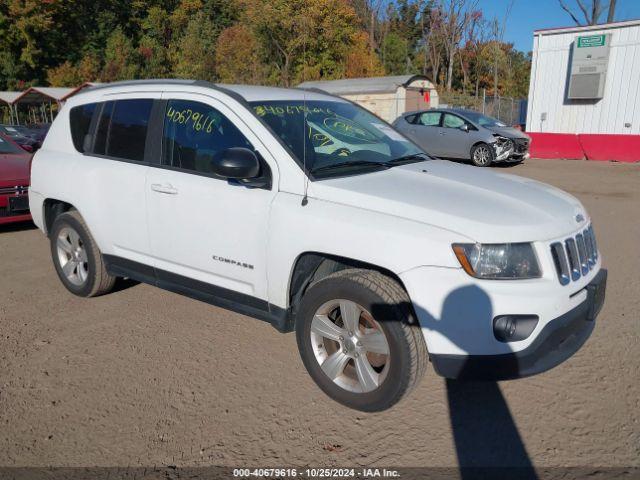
441,133
168,188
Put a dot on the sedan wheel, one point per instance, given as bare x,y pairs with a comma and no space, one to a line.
482,155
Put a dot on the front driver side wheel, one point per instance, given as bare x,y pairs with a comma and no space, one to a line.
482,155
359,340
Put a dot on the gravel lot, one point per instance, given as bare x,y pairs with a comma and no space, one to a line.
146,377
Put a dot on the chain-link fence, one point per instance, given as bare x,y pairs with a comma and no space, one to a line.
509,110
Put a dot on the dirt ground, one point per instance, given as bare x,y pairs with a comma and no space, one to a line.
146,377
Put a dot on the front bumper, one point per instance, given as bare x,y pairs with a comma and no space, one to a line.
558,341
14,206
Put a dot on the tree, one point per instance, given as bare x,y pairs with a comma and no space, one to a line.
303,39
360,61
456,18
432,41
497,31
65,75
237,56
121,61
395,53
89,68
591,12
193,54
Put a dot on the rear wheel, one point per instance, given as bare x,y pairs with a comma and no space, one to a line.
76,257
482,155
359,340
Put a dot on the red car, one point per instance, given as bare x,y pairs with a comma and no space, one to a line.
15,169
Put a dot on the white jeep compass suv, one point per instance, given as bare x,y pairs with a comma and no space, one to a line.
304,210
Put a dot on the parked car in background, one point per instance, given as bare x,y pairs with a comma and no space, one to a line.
36,131
15,132
15,165
465,135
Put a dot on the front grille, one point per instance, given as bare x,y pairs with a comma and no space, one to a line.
4,212
576,256
17,190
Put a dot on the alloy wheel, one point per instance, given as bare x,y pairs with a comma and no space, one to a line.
350,346
482,156
72,256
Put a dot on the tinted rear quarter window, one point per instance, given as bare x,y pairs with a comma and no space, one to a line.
80,119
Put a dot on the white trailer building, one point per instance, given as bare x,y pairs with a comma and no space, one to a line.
586,80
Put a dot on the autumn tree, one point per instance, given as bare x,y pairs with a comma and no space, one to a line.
360,61
456,17
237,56
121,59
65,75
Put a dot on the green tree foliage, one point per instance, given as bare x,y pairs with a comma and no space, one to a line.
279,42
237,56
121,61
395,54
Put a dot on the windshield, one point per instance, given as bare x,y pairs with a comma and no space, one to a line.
484,120
336,138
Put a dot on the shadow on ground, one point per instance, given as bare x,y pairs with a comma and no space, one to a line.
17,227
486,438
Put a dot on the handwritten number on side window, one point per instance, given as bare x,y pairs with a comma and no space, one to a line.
197,120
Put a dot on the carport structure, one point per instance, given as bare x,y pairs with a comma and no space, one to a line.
39,102
7,100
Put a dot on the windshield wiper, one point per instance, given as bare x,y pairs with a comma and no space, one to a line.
414,158
357,163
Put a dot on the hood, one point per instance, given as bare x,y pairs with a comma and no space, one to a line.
509,132
14,169
480,204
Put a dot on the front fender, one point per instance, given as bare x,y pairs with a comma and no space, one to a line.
390,242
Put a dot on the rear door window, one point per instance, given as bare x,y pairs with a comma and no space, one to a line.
128,129
430,119
122,129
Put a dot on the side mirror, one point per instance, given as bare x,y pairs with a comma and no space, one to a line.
236,164
464,127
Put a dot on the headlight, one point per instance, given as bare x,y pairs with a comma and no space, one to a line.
506,261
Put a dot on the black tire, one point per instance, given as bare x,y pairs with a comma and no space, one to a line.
390,306
480,160
98,281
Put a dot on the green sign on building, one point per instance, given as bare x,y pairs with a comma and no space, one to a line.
591,41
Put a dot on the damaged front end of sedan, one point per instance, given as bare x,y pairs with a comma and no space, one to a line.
503,148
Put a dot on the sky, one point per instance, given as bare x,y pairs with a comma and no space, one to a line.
529,15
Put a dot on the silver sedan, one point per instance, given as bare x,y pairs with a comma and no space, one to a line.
464,134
